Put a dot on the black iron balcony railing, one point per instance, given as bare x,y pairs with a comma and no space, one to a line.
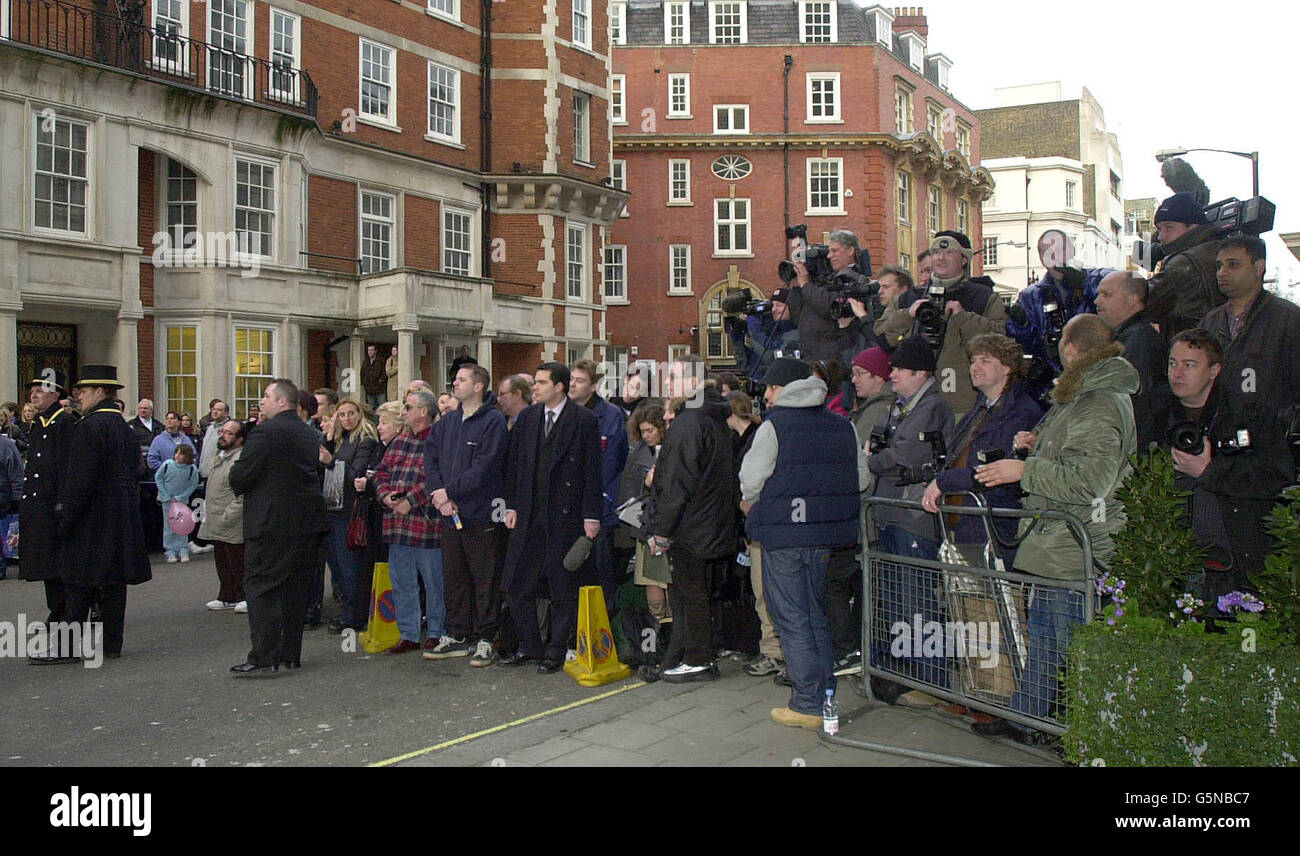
160,53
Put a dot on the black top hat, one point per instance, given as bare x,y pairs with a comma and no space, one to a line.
105,376
51,378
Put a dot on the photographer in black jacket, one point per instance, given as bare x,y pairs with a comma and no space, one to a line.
810,302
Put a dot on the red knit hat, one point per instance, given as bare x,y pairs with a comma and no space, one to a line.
874,360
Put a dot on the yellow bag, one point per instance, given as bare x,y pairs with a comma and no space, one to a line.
381,631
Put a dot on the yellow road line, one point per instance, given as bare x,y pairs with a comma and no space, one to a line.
477,734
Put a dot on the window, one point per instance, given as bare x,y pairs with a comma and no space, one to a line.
618,23
376,232
731,118
444,8
935,208
254,366
254,206
1071,189
905,262
171,25
4,19
182,206
727,24
679,182
377,83
456,241
732,167
618,180
915,50
825,193
824,97
575,259
679,96
582,23
1114,186
230,39
617,108
884,28
581,127
990,252
182,376
817,21
444,103
731,227
286,55
677,353
679,268
963,216
942,69
615,273
904,197
677,23
576,353
935,124
716,342
62,175
903,111
963,141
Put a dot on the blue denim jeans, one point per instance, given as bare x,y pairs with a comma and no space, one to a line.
794,586
406,567
1050,617
906,593
342,565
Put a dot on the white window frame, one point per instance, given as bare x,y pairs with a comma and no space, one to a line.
677,353
903,196
452,13
685,9
616,259
180,38
934,122
813,78
294,72
618,23
803,21
934,209
213,50
430,133
182,324
915,50
379,221
673,197
731,118
87,179
713,21
177,247
578,267
735,226
991,253
884,28
362,114
1071,193
838,165
618,99
685,112
274,353
904,110
963,140
618,179
4,19
963,216
679,268
273,211
449,211
582,128
580,34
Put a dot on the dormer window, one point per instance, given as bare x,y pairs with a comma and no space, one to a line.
884,22
942,65
915,47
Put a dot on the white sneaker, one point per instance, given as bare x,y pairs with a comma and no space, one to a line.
685,669
171,560
483,654
185,557
447,647
217,605
241,607
196,548
570,655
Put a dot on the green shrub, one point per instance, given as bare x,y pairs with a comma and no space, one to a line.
1279,584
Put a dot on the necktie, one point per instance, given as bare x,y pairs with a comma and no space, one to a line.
550,422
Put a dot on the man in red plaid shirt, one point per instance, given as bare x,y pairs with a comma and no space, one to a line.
412,528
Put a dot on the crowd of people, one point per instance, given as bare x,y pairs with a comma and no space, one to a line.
488,502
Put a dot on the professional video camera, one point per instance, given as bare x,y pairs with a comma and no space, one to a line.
878,442
1232,216
1187,437
925,473
738,303
931,316
815,257
851,285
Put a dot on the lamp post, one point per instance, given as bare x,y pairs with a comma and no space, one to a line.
1165,154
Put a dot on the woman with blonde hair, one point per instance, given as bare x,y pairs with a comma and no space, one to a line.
347,454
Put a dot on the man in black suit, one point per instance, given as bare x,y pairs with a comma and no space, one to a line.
145,428
553,497
284,523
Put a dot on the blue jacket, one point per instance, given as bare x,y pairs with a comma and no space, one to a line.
766,337
163,448
1080,301
11,475
613,455
1016,412
466,457
176,481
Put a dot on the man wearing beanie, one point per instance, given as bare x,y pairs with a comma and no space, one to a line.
1183,286
918,408
799,489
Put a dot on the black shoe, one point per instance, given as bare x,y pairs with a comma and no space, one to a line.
50,660
649,674
781,679
550,666
290,664
252,670
336,627
886,691
996,728
518,658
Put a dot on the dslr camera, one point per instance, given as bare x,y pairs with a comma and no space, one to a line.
924,473
1187,436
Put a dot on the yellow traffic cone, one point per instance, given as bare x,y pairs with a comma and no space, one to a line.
597,661
381,632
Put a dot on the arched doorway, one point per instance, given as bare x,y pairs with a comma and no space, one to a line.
715,346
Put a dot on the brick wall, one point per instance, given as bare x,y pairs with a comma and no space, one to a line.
332,223
1031,131
423,233
514,358
518,274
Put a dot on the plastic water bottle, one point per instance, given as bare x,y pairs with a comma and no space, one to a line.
831,714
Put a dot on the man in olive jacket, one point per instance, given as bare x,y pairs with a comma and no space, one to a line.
1079,460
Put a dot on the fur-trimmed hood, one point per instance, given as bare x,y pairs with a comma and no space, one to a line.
1100,368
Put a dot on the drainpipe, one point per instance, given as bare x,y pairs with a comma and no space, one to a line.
785,129
485,118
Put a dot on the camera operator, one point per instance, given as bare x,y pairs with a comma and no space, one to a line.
764,333
897,294
1182,286
1121,302
1003,408
1232,457
810,301
1079,460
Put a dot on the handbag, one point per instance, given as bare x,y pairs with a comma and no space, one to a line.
358,524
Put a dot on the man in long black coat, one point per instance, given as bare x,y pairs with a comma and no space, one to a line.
102,547
47,452
553,497
284,524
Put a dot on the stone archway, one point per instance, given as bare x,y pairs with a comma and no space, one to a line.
714,345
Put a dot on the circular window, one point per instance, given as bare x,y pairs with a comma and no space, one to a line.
732,167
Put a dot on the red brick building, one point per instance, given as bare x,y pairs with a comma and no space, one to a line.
733,120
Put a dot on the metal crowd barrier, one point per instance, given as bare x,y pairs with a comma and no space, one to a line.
965,629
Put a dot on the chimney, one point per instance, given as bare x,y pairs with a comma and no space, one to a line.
911,18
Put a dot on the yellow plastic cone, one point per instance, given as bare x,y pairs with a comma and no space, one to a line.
597,661
381,632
